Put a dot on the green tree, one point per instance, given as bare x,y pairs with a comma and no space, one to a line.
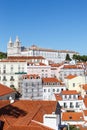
72,127
68,57
80,58
3,55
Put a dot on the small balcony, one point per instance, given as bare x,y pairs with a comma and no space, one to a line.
20,72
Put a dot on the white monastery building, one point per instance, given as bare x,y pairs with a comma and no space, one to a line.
57,56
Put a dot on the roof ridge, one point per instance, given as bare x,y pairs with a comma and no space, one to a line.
23,121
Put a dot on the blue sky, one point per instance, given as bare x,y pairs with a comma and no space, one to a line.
55,24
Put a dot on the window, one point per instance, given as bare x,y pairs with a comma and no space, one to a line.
70,117
62,89
4,78
44,90
77,104
4,66
73,84
11,68
57,90
69,96
48,90
26,90
11,79
65,105
53,90
74,96
65,96
71,105
4,71
26,84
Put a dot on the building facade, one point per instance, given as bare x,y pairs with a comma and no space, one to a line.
57,56
31,87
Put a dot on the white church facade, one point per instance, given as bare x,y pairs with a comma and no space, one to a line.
56,56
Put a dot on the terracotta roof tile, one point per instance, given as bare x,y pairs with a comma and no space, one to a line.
85,101
4,103
25,57
5,90
71,67
70,76
19,115
58,97
69,92
72,116
50,79
85,112
85,87
29,76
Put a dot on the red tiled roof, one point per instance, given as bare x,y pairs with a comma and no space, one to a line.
58,97
34,47
21,58
50,79
55,65
29,76
85,87
4,103
19,115
85,101
71,67
72,116
70,76
69,92
85,112
80,98
26,57
5,90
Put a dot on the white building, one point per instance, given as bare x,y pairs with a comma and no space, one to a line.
51,85
71,70
10,70
31,87
15,49
42,70
70,100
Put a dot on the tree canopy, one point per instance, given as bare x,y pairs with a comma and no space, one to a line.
68,57
3,55
80,58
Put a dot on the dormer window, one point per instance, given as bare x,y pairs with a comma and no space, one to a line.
31,77
70,117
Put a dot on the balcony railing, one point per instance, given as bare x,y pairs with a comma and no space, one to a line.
20,72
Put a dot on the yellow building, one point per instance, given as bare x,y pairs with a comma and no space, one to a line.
74,82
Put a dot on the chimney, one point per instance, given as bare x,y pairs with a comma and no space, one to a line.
11,99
